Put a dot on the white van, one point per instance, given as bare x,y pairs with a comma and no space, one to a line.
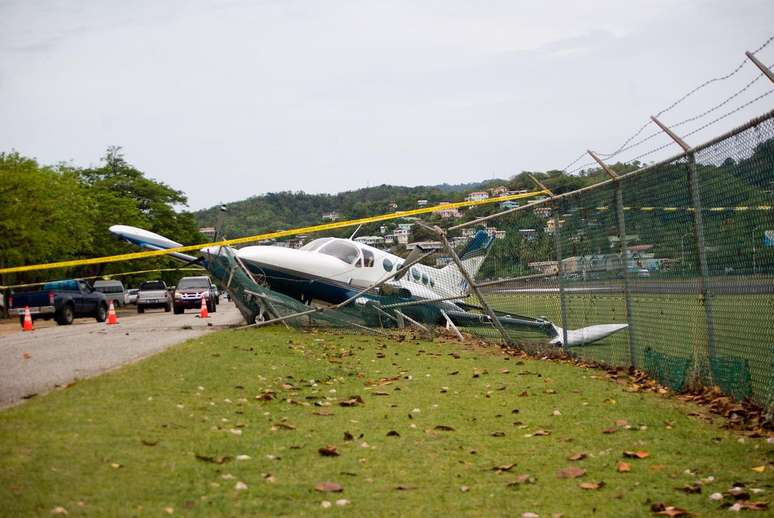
114,292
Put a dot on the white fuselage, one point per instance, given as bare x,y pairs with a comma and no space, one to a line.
343,262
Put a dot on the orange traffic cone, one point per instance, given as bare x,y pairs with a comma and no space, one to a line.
203,313
27,325
112,317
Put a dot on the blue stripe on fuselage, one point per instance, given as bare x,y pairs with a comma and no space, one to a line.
295,285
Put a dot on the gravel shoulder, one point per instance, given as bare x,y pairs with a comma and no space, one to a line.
35,362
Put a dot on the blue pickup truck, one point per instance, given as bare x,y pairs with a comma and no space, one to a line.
61,300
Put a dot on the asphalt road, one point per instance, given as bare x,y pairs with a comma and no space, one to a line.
35,362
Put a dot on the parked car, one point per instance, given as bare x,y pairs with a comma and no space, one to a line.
113,290
131,295
189,292
62,301
153,294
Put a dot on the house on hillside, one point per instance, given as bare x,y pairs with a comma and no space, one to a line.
422,203
447,213
425,245
377,241
477,196
402,235
208,232
330,216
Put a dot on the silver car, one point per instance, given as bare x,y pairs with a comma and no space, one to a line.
153,294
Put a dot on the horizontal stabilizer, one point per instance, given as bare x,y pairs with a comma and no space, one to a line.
586,335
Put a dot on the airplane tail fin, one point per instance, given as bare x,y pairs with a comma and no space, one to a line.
472,257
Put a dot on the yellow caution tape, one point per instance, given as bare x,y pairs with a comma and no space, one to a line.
270,235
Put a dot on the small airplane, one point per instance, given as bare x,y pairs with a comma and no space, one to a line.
334,270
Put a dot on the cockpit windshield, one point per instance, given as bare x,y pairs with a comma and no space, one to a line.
342,250
317,243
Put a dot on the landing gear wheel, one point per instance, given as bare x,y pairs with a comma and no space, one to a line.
140,309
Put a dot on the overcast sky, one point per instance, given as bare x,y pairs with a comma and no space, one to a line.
229,99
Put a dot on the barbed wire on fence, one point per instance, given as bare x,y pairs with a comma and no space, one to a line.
628,145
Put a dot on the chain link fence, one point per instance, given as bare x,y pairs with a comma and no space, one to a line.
682,251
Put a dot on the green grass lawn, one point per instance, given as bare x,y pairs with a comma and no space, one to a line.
168,435
667,323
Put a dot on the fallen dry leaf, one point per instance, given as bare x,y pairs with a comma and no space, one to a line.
504,467
591,485
577,456
624,467
759,505
328,451
352,401
215,459
668,510
571,472
640,454
759,469
283,426
690,488
328,487
523,479
444,428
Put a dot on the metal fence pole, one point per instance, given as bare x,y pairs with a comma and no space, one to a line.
560,266
619,210
698,231
619,214
701,255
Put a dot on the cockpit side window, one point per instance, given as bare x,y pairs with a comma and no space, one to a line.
342,250
415,274
314,245
368,258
